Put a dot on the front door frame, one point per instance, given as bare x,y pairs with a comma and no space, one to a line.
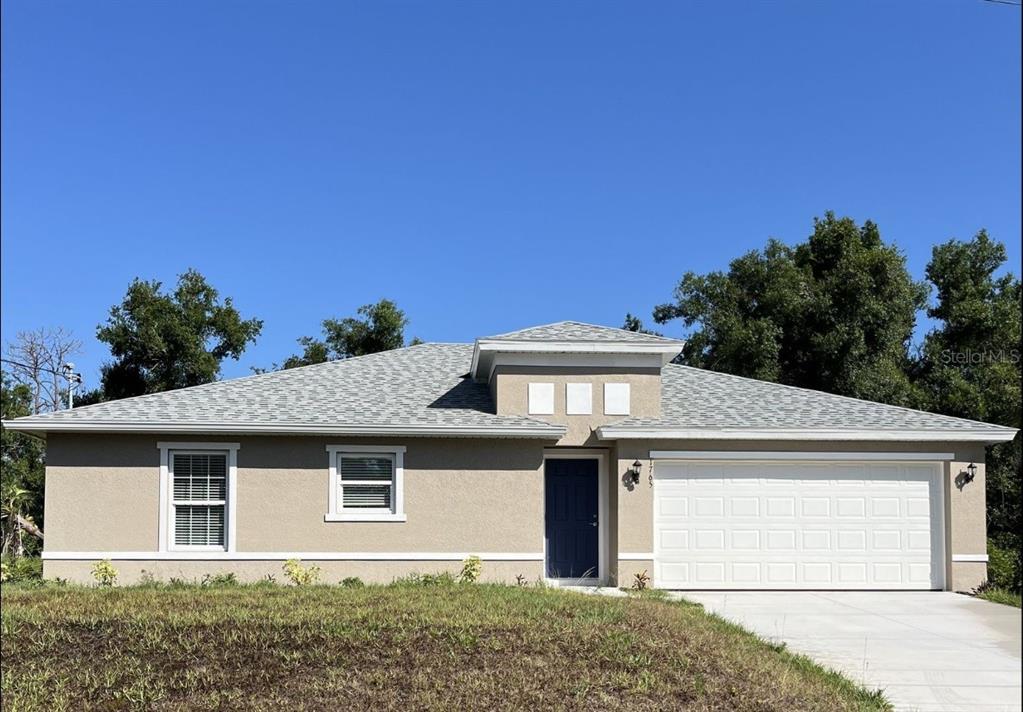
601,456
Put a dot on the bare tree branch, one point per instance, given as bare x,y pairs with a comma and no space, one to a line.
37,358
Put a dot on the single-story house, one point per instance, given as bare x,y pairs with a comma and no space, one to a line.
565,452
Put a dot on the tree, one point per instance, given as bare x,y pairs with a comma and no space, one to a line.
380,327
36,358
634,323
834,313
164,341
21,471
970,363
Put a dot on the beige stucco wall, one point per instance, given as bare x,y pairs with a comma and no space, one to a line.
965,531
102,493
460,495
510,386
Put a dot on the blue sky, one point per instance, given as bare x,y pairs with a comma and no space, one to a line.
487,165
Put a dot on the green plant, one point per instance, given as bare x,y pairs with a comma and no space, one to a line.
998,595
301,575
642,581
444,578
472,567
104,573
1003,569
18,569
352,582
228,579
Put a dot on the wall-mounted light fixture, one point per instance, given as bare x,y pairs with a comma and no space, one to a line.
971,472
634,472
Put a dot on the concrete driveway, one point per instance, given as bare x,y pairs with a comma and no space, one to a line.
927,650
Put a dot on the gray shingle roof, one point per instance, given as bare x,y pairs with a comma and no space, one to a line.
419,386
694,398
424,390
580,331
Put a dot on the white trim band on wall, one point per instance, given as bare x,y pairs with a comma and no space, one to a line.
284,556
780,455
972,558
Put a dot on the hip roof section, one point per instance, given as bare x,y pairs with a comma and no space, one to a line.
426,390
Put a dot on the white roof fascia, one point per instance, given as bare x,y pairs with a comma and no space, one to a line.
610,432
37,426
667,351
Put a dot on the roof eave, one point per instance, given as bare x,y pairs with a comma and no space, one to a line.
988,436
666,350
543,432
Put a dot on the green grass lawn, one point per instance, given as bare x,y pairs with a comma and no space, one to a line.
390,647
1000,595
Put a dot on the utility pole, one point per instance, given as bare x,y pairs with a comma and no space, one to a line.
73,380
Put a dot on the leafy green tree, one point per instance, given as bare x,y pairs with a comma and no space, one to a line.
163,341
634,323
970,363
21,471
835,313
313,351
379,327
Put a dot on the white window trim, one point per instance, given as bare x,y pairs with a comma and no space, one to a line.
166,499
334,511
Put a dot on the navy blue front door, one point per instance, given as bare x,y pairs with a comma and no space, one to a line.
572,526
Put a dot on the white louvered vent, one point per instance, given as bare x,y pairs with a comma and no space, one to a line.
199,498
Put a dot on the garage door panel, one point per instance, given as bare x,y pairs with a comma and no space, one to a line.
805,525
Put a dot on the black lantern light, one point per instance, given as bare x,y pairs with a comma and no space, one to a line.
971,472
634,472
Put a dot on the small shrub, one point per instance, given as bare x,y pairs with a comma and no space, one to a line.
642,581
104,573
1003,567
228,579
301,575
444,578
997,595
472,567
352,582
20,569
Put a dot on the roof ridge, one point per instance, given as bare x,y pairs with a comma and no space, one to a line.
632,335
835,395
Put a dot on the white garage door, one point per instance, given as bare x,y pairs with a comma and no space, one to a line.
797,525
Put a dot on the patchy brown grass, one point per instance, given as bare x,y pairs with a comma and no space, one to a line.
391,647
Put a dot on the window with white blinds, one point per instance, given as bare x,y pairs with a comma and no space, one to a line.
199,499
366,482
